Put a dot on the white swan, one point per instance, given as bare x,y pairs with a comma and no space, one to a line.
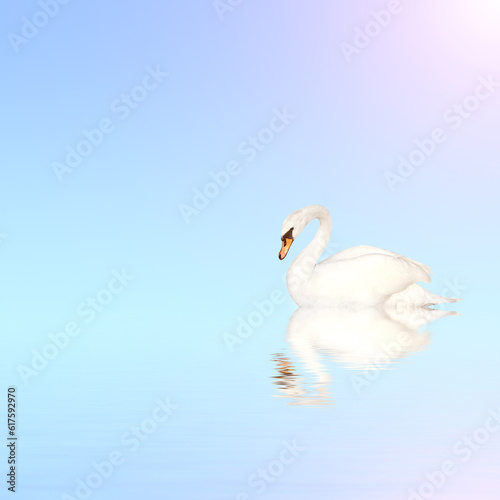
362,275
360,339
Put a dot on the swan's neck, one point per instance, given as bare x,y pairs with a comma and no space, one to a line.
303,266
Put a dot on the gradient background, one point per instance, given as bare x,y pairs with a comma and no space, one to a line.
163,336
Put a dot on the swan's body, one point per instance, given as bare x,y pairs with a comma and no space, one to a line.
362,275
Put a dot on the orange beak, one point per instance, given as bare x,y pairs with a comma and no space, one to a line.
285,246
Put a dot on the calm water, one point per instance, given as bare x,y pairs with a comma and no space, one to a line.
324,415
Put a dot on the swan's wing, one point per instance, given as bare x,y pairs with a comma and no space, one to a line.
361,250
379,273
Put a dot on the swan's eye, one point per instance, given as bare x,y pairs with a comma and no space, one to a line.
287,235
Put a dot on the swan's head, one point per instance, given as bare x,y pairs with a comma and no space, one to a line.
296,222
292,227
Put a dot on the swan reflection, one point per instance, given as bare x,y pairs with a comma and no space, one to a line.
291,384
371,339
